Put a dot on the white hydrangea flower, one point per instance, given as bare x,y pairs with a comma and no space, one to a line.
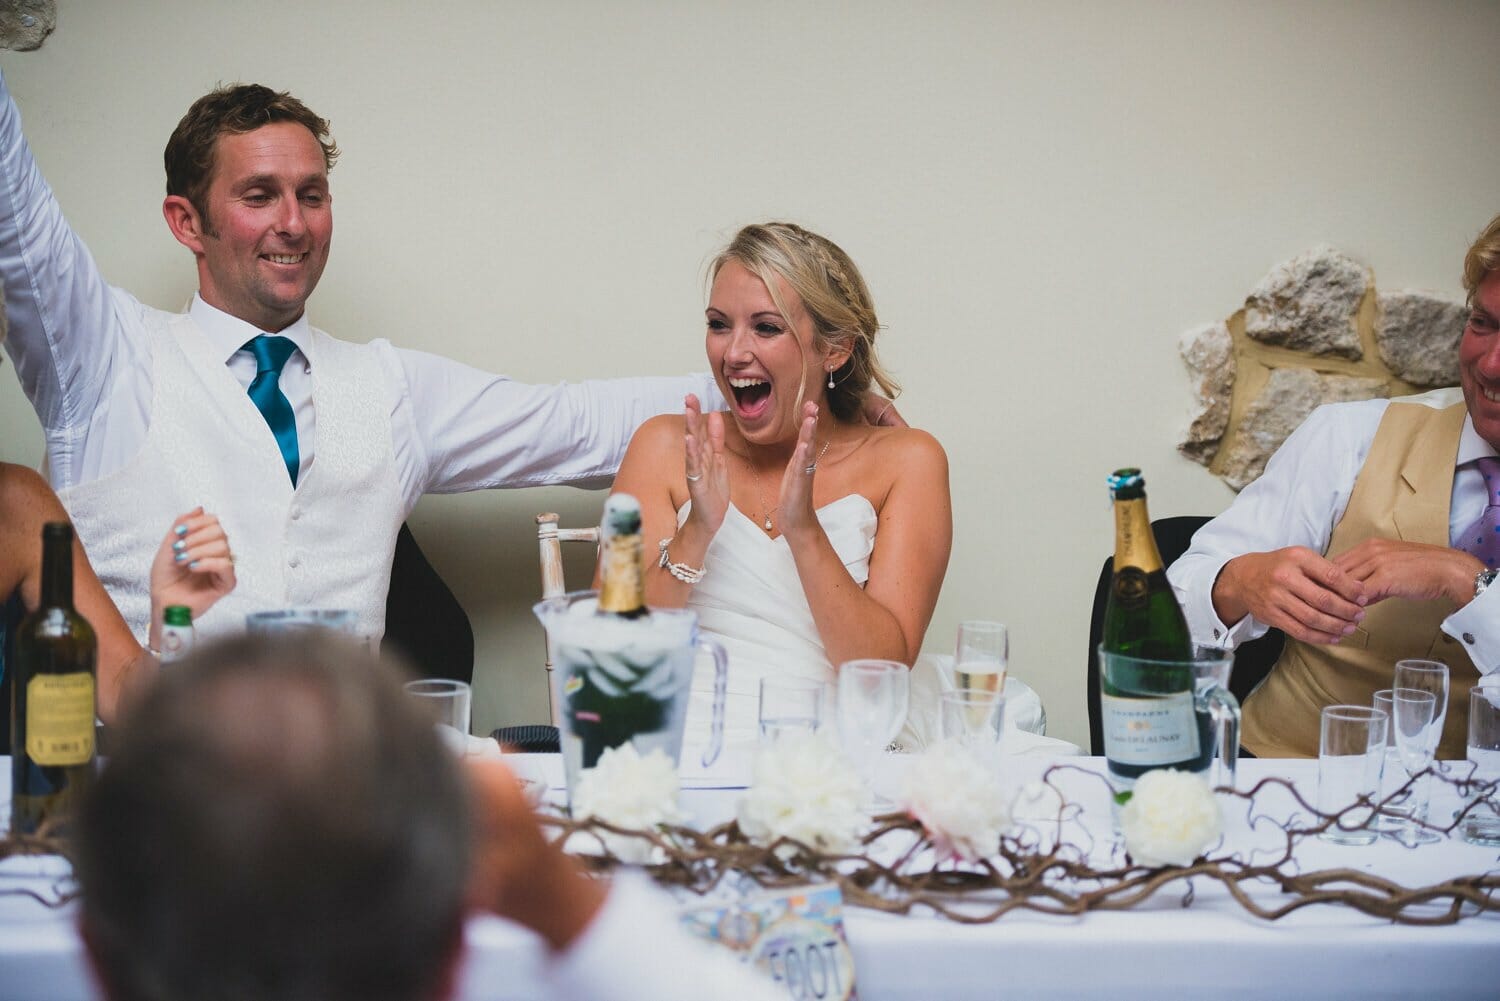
958,800
803,787
629,790
1170,819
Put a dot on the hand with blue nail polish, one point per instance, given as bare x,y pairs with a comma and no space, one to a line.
194,567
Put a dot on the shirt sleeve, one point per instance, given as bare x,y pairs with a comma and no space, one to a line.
63,332
635,950
458,428
1296,502
1477,627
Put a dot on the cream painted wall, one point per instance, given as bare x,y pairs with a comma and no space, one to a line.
1042,197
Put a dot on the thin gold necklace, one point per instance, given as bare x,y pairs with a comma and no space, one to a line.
760,494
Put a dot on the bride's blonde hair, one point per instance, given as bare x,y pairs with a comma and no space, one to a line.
832,291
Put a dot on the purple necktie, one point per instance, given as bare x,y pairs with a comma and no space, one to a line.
1483,537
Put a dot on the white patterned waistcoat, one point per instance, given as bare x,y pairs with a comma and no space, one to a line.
326,544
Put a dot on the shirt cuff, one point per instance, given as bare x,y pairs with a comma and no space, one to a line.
1196,594
1475,628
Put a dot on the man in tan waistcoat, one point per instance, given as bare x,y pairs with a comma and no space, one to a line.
1372,537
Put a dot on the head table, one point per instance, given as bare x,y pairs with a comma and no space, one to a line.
1210,949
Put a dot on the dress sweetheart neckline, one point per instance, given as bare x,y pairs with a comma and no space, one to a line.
855,496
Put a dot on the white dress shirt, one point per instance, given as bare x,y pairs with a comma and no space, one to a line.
1299,499
80,352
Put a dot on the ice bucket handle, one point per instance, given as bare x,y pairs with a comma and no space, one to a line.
721,686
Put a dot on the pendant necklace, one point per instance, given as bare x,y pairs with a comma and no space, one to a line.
760,494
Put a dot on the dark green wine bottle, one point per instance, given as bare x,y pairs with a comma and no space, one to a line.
52,698
1146,682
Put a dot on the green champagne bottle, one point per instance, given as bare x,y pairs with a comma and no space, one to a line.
622,576
52,698
1146,680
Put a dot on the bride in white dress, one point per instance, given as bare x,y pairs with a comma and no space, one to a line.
802,535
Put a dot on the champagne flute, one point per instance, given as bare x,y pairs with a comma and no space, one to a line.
1417,731
981,655
873,698
1426,676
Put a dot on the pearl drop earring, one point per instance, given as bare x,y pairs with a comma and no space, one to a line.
830,378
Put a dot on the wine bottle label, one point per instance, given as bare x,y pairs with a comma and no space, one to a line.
1156,731
60,718
176,643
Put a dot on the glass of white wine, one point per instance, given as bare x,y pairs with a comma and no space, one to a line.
981,655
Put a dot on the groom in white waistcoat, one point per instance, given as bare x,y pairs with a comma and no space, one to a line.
311,450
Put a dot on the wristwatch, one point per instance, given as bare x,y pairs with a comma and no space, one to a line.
1484,579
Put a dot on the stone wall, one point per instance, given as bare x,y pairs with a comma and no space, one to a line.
1314,331
25,23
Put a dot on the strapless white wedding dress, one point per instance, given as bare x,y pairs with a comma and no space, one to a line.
751,600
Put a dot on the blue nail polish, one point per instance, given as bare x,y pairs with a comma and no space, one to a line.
180,529
179,545
193,565
179,557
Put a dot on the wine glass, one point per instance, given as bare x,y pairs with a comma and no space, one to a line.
1417,731
872,708
981,655
1426,676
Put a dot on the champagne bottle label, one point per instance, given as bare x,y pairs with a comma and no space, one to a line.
1132,586
1155,731
60,719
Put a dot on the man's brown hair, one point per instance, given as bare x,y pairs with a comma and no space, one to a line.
235,109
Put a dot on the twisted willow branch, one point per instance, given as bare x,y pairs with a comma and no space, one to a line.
1028,871
1020,874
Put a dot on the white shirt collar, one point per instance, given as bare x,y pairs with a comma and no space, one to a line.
1470,445
228,334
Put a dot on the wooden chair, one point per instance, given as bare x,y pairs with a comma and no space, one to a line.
549,544
549,539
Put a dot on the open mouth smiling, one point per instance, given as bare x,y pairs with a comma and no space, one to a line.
284,258
751,396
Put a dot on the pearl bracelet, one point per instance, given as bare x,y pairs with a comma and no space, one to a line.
683,572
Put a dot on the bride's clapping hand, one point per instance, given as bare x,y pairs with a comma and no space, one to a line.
797,510
194,565
706,469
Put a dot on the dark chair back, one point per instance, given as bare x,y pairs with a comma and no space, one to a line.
1252,661
423,620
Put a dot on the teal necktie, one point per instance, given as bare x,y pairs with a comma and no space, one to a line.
271,354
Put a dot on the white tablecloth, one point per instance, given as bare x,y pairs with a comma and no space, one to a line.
1159,950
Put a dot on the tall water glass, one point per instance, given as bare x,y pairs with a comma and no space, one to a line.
1481,826
1414,722
1351,751
447,703
790,705
1394,814
301,620
973,718
981,655
872,706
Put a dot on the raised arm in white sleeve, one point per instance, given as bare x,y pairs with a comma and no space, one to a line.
457,428
68,330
